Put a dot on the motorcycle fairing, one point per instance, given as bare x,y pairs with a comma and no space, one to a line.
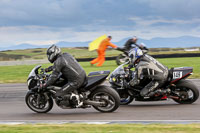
180,73
31,81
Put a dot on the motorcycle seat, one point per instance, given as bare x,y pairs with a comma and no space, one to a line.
96,78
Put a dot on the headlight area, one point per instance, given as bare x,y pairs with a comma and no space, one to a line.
31,83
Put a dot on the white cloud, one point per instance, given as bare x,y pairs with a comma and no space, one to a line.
21,34
43,22
41,35
185,9
154,20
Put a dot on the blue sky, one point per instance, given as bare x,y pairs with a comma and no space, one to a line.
49,21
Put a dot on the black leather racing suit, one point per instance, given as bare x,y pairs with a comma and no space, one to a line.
151,68
71,71
128,45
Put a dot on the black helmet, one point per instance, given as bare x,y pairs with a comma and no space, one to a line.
52,52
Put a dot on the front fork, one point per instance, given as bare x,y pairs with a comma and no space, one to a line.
39,97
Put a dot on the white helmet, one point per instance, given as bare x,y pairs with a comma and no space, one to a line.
52,52
135,53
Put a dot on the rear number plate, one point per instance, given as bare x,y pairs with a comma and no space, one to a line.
177,75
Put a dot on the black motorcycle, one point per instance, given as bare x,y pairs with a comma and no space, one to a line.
101,97
176,87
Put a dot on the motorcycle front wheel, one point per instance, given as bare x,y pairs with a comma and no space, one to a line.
38,102
107,95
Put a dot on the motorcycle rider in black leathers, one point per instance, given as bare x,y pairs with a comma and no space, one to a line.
129,45
147,66
68,67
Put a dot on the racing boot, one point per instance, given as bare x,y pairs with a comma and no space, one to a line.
76,100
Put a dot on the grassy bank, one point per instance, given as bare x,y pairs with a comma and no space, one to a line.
40,53
110,128
18,74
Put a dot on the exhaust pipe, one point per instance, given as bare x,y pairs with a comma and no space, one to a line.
173,97
94,103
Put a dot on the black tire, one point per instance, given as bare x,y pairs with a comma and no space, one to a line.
187,85
126,101
29,103
119,58
106,90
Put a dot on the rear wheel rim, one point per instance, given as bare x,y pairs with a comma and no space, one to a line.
185,94
107,99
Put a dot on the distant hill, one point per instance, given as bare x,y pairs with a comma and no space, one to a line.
72,44
183,41
23,46
60,44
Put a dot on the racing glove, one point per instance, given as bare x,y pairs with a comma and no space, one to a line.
49,69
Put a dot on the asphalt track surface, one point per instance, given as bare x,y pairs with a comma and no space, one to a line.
13,108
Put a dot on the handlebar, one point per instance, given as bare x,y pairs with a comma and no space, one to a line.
120,49
42,70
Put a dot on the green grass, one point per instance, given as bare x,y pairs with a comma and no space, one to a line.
173,52
184,62
40,53
18,74
109,128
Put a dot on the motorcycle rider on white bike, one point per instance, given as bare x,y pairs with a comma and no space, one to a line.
147,66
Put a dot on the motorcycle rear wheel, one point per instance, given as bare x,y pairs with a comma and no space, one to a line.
188,93
107,95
